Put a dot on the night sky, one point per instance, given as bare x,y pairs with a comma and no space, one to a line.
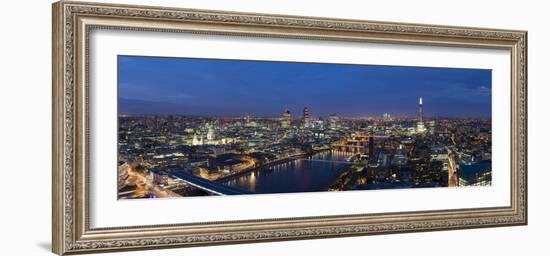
185,86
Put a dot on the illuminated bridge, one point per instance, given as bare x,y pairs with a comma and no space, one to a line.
207,185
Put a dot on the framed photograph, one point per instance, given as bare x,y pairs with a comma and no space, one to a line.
178,127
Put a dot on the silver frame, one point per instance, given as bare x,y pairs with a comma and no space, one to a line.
72,22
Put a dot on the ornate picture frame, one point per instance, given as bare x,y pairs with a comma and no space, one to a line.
72,23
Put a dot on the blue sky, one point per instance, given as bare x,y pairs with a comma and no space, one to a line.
157,85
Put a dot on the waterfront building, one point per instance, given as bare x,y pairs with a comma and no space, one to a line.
357,143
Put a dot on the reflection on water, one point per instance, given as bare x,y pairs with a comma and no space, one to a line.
301,175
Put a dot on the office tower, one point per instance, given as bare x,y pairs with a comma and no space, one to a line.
286,119
306,117
420,124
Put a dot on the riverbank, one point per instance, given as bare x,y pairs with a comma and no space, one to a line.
350,177
270,164
305,174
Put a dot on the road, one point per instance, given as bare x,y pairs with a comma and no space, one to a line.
453,175
145,186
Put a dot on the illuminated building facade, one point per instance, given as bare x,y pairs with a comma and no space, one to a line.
211,135
306,118
420,127
333,121
286,120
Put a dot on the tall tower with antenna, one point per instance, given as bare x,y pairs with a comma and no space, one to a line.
420,124
420,114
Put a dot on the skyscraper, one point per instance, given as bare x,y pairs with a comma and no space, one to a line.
306,117
420,124
333,121
286,119
420,114
387,117
371,147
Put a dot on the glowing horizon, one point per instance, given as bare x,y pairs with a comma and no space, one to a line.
212,87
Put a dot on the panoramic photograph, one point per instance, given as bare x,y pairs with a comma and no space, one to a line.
212,127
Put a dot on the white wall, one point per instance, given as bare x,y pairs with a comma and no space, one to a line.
25,116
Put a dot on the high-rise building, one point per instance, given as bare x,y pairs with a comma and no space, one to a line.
420,124
286,119
420,114
247,118
431,126
387,117
306,117
333,120
371,147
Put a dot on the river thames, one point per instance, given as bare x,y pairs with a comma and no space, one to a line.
311,174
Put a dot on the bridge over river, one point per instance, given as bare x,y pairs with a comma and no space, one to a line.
327,161
208,185
219,186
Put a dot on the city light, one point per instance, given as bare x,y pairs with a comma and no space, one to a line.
201,127
171,156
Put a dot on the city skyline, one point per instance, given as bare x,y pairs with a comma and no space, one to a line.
184,86
203,127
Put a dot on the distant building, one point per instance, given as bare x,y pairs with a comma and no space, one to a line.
286,120
371,147
197,140
158,177
306,118
333,121
211,135
319,124
358,144
431,126
420,127
387,117
247,118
